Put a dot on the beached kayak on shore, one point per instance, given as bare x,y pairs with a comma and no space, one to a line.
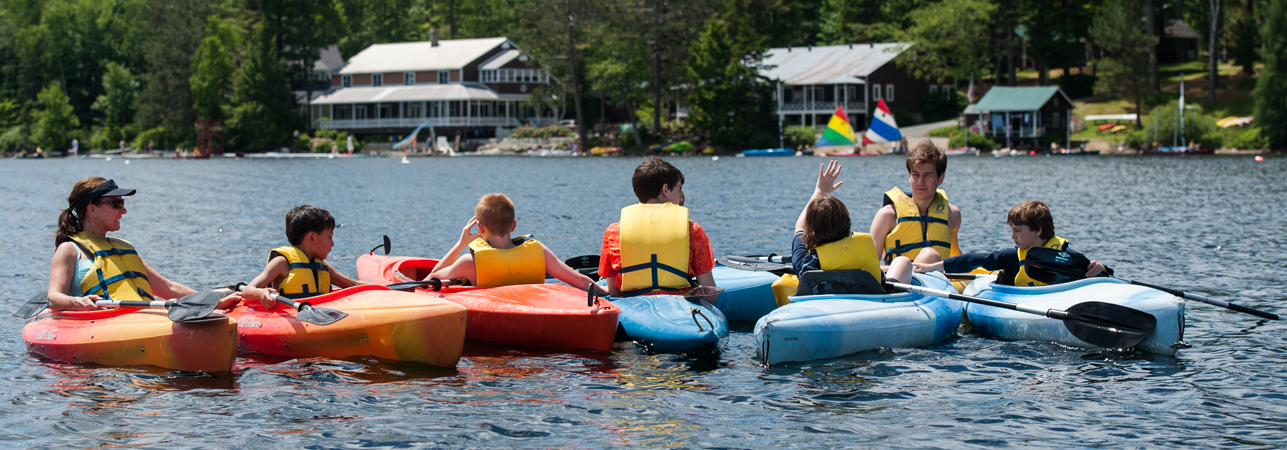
124,337
381,323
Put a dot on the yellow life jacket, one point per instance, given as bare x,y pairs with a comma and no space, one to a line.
307,278
908,236
1021,277
523,264
654,248
853,252
118,273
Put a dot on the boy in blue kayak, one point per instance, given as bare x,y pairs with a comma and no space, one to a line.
909,224
1031,225
496,259
299,270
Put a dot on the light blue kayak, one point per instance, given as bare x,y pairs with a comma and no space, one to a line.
1166,338
671,323
747,295
829,326
768,152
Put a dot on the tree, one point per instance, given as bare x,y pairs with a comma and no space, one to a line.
56,122
120,89
212,70
861,21
263,108
175,31
556,34
1123,69
730,101
1055,30
1245,50
1213,59
946,40
1271,88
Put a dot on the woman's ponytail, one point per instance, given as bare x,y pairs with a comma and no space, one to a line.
70,222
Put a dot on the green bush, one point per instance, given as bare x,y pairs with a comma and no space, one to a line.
1245,138
543,133
794,137
323,146
1197,127
979,141
15,139
947,131
942,105
158,137
901,116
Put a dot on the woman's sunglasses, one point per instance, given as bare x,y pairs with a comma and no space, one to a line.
118,203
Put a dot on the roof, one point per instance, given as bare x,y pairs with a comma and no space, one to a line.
412,56
328,60
1028,98
832,64
500,60
412,93
1178,29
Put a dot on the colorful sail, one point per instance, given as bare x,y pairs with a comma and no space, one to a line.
883,128
838,132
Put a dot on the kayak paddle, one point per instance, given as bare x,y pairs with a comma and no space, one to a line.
1072,266
1096,323
758,263
306,312
189,307
387,246
434,283
588,265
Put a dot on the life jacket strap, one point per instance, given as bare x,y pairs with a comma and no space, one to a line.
900,248
654,266
922,219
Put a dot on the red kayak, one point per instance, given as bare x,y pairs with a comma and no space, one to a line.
386,324
528,315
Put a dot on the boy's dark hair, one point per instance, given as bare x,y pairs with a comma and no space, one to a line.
927,152
826,220
652,175
496,212
1033,214
303,219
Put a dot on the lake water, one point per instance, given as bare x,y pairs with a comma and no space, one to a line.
1212,225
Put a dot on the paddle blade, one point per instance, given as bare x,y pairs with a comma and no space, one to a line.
755,264
33,307
319,316
587,265
703,291
407,285
1108,325
194,306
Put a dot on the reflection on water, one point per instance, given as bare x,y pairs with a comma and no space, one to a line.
1212,226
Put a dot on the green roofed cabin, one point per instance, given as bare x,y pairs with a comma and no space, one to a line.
1021,113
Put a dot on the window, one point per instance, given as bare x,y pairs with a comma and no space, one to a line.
386,111
889,92
343,112
377,79
346,81
411,109
933,88
408,78
1054,121
875,92
947,88
443,78
360,112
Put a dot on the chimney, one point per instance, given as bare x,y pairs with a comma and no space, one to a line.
433,37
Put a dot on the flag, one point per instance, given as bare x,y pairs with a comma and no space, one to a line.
838,132
969,93
883,128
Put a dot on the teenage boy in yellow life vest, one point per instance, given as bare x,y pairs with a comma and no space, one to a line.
911,225
300,270
496,259
1031,225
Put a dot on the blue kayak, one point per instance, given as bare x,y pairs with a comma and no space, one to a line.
768,152
671,323
829,326
747,295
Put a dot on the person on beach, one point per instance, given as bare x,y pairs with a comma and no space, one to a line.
906,225
300,270
496,259
89,265
823,239
655,249
1031,225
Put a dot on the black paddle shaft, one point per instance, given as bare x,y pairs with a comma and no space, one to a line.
1220,303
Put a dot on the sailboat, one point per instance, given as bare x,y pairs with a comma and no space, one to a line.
883,128
1182,148
838,134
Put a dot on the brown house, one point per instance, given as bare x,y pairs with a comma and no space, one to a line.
1019,114
1179,43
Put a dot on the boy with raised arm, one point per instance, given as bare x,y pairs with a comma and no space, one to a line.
906,225
496,259
655,249
299,270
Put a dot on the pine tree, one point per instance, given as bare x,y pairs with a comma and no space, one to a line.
120,90
730,101
53,128
264,110
212,70
1124,69
1271,88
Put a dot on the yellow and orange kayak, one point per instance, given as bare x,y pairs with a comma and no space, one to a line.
382,323
124,336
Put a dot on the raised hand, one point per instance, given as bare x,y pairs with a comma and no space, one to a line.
827,175
468,235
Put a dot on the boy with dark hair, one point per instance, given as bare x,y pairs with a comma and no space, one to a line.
300,270
495,259
1031,225
655,249
906,225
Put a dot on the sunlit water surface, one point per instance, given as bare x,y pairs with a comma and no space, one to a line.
1212,225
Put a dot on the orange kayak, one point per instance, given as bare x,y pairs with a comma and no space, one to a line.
382,323
527,315
125,336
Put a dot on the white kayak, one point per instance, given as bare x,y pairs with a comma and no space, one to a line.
1166,338
829,326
